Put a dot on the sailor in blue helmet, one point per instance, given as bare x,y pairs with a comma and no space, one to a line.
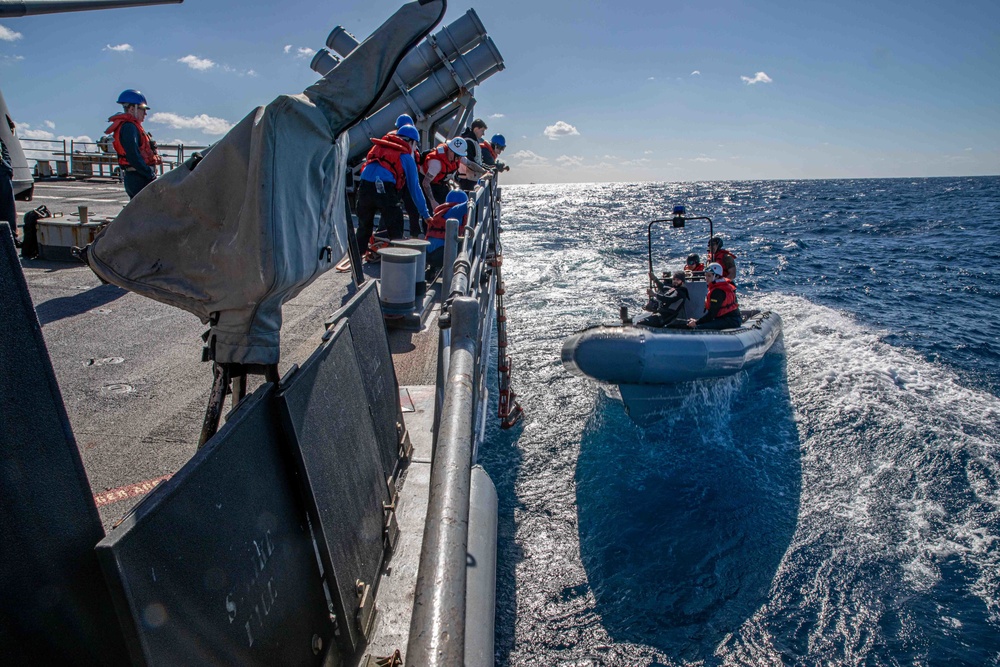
412,214
492,150
388,167
456,205
136,153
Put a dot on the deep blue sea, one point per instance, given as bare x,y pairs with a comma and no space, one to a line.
837,504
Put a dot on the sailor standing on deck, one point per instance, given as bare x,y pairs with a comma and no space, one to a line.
388,168
437,166
412,214
721,309
472,167
8,210
492,150
136,154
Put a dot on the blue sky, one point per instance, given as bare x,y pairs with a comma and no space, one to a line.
592,92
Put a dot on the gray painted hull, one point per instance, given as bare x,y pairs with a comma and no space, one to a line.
636,355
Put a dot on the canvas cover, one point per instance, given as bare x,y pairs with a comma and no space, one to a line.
234,236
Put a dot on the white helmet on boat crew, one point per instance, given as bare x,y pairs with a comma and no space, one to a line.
715,269
457,145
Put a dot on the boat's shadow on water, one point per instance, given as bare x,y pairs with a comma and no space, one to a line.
683,523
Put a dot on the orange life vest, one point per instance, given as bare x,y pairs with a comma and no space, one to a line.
448,167
729,303
721,254
146,149
386,153
485,145
438,222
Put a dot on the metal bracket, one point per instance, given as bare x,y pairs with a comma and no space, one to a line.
444,60
394,660
414,107
390,531
365,615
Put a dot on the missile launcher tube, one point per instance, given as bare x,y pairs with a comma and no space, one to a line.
436,90
454,39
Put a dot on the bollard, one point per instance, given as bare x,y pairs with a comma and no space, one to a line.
397,292
420,246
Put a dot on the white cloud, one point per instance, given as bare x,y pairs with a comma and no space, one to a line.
49,124
304,52
561,129
11,59
651,78
496,115
25,133
238,72
194,62
647,152
704,159
759,77
207,124
527,158
288,47
569,160
696,73
8,35
120,48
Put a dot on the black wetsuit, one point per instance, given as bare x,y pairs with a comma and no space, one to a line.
668,302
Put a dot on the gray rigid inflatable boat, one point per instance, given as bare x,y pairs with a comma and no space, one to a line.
638,355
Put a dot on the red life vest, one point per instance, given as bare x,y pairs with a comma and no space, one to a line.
437,223
485,145
694,267
448,167
729,303
145,147
721,254
386,152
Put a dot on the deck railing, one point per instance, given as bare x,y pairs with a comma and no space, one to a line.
87,159
438,625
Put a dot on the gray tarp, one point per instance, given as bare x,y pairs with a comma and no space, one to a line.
262,215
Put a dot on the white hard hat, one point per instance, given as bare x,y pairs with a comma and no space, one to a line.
457,145
715,268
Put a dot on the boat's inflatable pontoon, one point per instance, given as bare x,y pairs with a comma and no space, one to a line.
635,354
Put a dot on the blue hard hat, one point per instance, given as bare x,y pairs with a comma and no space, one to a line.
403,119
498,140
408,132
456,197
132,96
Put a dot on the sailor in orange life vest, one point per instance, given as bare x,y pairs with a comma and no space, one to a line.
492,150
412,214
456,205
694,263
136,154
722,310
388,168
724,257
438,165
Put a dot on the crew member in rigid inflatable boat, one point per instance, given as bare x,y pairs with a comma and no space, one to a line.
388,167
694,263
666,302
724,257
456,205
721,309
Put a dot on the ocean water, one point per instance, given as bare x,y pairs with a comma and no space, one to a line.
837,504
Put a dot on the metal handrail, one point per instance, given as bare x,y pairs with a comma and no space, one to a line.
437,626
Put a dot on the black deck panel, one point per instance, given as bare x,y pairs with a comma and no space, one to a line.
325,408
54,606
367,327
216,565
